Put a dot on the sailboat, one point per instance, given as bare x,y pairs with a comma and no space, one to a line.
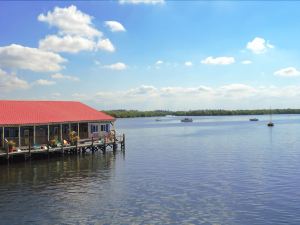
270,124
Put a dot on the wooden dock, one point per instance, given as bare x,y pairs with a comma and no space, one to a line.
81,147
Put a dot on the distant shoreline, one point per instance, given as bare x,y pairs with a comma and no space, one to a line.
213,112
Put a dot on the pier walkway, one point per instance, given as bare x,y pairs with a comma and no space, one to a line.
82,146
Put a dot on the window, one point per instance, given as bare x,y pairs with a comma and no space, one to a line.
103,128
94,128
11,132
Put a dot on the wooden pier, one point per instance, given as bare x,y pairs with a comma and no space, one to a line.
81,147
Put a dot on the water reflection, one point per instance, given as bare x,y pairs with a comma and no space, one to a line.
58,169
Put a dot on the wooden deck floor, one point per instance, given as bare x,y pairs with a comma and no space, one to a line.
83,146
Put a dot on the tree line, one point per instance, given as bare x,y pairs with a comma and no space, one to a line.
121,113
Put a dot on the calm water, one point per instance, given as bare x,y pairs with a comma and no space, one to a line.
216,170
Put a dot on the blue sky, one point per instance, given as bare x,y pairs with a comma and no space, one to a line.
152,54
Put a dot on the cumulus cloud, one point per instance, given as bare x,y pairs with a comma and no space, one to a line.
71,21
135,2
116,66
237,91
64,77
68,43
76,32
43,82
259,45
10,82
287,72
246,62
236,95
159,62
142,90
224,60
188,63
20,57
106,45
114,26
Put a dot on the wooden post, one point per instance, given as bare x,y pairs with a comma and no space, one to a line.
78,130
48,133
19,136
123,142
3,139
61,137
114,144
33,134
104,146
7,150
29,147
93,144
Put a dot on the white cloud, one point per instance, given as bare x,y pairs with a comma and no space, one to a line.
71,21
142,90
68,43
288,72
79,96
43,82
65,77
188,63
106,45
148,97
259,45
246,62
237,91
20,57
75,32
135,2
10,82
116,66
159,62
114,26
218,60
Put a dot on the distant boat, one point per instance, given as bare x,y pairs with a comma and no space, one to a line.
169,116
270,124
253,119
157,119
187,120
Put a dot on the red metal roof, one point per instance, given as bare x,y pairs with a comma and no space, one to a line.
43,112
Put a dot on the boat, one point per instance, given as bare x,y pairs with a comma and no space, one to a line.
253,119
157,119
270,124
169,116
187,120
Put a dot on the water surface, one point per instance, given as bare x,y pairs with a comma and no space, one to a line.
216,170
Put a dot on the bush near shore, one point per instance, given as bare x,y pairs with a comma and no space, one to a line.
214,112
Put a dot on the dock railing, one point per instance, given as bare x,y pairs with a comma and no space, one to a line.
110,138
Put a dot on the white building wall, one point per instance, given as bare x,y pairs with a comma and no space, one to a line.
99,133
